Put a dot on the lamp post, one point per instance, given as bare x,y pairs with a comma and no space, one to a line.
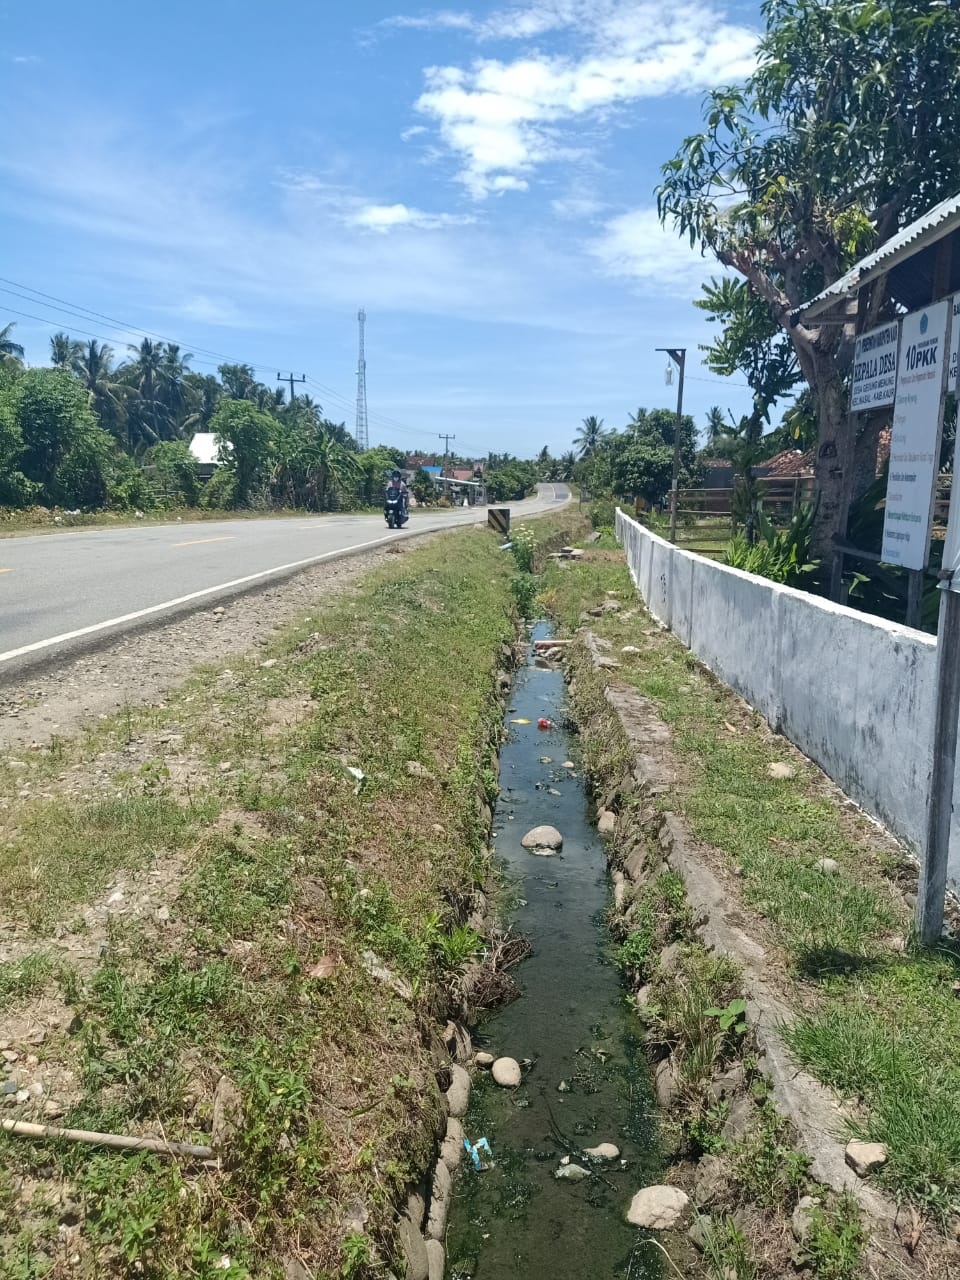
679,356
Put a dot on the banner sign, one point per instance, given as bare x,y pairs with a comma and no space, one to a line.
954,345
875,368
915,440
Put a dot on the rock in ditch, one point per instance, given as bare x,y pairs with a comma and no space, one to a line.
458,1095
607,823
435,1260
506,1073
602,1151
658,1208
827,867
572,1173
801,1222
701,1231
864,1157
414,1249
543,840
484,1059
417,770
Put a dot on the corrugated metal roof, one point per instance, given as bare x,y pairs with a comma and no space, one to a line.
934,225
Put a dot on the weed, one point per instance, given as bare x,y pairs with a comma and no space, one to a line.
733,1017
727,1253
356,1255
836,1240
523,544
525,587
455,949
769,1169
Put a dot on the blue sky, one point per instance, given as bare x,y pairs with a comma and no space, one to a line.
241,176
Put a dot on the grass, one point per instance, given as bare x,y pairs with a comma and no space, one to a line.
283,871
880,1019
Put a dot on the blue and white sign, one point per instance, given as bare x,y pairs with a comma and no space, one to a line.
875,368
915,439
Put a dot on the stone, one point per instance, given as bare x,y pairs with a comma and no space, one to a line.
864,1157
572,1173
827,867
739,1119
607,823
451,1149
568,764
270,662
543,838
801,1222
439,1202
227,1112
414,1249
666,1083
436,1260
9,1086
729,1083
701,1231
710,1181
629,648
458,1095
484,1059
603,1151
417,770
669,957
507,1073
781,770
658,1208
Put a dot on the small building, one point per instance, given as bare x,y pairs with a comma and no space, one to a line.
205,449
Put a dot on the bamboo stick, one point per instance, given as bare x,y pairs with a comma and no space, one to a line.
24,1129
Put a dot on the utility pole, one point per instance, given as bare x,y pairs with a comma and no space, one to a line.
446,443
362,433
679,356
291,379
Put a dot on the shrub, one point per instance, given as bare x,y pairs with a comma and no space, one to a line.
783,555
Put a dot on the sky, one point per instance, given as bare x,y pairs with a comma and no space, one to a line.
241,176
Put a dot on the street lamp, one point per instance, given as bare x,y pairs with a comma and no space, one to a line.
679,357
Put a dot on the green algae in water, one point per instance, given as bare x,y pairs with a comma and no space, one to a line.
586,1081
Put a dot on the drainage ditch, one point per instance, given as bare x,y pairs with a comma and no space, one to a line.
541,1204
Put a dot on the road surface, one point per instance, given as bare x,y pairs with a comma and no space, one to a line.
60,591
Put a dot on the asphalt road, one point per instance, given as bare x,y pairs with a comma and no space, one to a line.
58,591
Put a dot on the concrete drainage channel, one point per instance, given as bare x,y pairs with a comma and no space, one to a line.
561,1091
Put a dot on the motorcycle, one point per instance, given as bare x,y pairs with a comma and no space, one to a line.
395,508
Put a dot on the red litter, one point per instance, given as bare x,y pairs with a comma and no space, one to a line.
544,723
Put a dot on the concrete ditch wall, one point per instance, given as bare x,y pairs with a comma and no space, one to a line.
853,692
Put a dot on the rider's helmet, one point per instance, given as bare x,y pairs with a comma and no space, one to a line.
394,475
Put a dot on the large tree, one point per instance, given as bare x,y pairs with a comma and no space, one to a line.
590,436
11,353
848,129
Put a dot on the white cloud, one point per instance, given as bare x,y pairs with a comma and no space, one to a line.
387,217
210,311
442,20
503,119
636,246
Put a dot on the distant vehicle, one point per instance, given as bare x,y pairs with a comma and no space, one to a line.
395,507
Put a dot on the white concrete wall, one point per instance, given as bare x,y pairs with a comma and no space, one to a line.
853,692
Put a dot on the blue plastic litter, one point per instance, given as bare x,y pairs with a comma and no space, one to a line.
473,1151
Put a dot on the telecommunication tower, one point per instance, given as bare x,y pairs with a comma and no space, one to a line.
362,433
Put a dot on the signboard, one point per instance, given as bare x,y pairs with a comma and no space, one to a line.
875,368
915,440
954,345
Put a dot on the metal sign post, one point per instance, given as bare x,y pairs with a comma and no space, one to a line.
933,870
498,518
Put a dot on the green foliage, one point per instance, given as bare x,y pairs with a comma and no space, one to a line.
783,555
525,588
248,431
509,480
176,471
835,1243
603,513
727,1252
732,1017
523,544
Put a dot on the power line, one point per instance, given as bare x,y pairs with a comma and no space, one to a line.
51,302
291,379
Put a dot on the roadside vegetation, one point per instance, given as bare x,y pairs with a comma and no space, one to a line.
877,1018
235,918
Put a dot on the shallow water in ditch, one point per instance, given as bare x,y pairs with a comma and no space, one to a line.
587,1081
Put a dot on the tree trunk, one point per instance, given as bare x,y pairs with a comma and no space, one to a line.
834,464
865,454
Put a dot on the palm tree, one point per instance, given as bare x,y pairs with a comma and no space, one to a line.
64,352
590,436
566,465
715,426
145,374
93,364
173,391
11,353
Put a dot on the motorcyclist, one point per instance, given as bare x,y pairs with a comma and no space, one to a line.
397,482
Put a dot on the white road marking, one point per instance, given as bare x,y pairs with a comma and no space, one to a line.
193,595
38,645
